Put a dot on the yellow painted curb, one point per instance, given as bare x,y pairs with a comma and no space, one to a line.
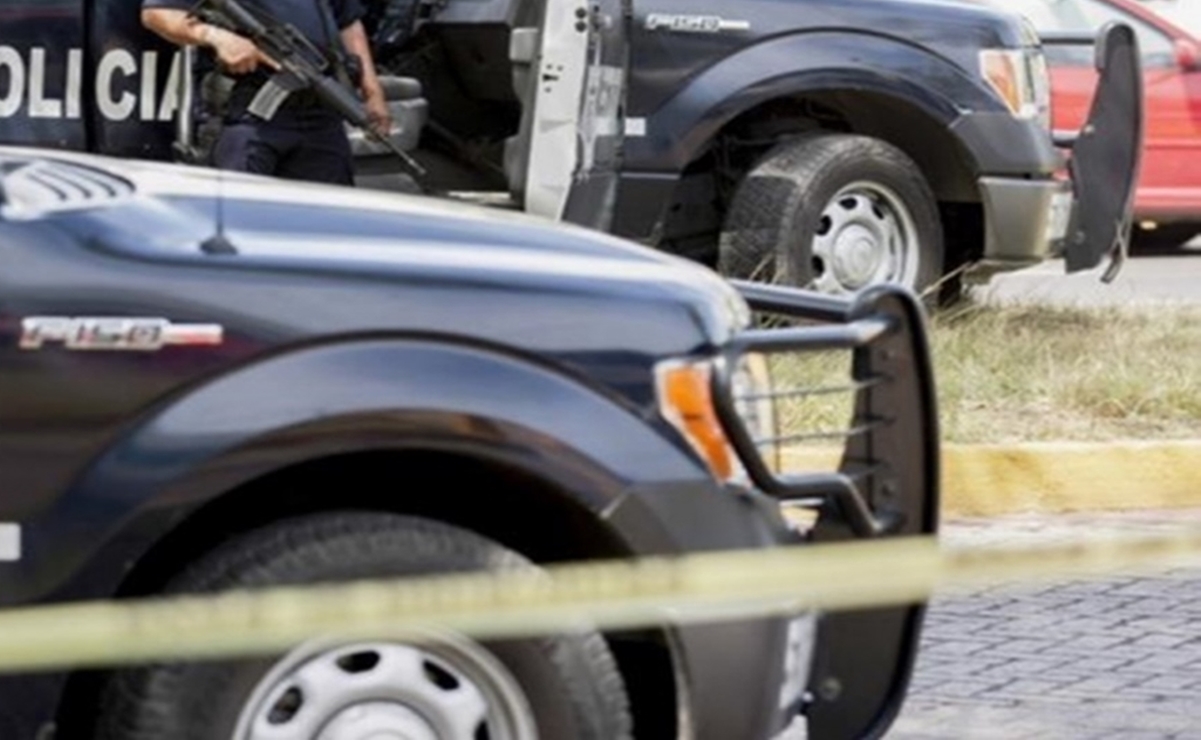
987,480
1057,477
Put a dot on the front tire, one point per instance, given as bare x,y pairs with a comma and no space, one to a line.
834,213
451,689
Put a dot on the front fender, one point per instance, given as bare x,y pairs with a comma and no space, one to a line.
680,128
331,399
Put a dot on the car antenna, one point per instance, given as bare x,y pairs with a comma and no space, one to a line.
219,243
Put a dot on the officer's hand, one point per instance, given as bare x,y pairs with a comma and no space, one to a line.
237,54
378,113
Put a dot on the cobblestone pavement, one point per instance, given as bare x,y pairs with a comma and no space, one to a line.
1097,659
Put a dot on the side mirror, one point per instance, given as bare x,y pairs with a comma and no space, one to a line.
1188,55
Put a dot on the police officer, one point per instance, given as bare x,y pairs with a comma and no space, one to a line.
304,140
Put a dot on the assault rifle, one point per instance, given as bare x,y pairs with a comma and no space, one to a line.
302,66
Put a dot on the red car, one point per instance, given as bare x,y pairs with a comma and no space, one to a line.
1168,199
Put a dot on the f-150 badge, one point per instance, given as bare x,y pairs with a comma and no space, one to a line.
116,334
693,23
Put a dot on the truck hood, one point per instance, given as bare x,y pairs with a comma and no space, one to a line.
932,23
170,212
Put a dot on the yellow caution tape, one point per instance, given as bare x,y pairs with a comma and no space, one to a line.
608,595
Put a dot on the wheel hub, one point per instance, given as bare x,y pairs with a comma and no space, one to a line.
866,235
378,720
453,690
859,253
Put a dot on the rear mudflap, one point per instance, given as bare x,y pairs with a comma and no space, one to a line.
1106,156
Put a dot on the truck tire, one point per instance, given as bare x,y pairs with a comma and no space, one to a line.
833,213
564,686
1168,237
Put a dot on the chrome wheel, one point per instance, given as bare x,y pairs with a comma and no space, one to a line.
444,690
866,235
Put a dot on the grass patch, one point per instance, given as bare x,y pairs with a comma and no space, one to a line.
1039,373
1019,374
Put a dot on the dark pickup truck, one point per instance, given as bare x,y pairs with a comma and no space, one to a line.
819,143
211,380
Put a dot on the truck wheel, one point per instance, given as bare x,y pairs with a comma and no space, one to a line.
1166,237
834,213
449,689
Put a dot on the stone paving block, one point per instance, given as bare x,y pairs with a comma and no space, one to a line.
1021,646
1185,662
1052,605
1166,624
1026,688
1084,588
1127,651
1063,677
1102,685
1191,606
1089,660
1175,682
969,624
968,668
1130,733
1094,644
1023,667
1080,624
965,688
1102,663
1147,587
1154,641
1036,623
1150,606
960,647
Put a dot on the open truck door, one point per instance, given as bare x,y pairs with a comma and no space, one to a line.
570,74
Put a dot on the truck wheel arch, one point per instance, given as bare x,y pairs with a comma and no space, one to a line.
951,169
230,431
155,535
647,654
680,130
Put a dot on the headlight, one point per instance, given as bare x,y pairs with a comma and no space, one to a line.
685,394
685,397
755,400
1022,79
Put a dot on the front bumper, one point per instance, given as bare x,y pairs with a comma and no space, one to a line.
1026,222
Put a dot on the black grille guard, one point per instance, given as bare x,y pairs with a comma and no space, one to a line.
892,443
1106,155
887,484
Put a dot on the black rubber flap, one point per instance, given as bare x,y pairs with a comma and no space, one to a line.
1107,155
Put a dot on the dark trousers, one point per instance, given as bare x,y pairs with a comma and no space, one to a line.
317,151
